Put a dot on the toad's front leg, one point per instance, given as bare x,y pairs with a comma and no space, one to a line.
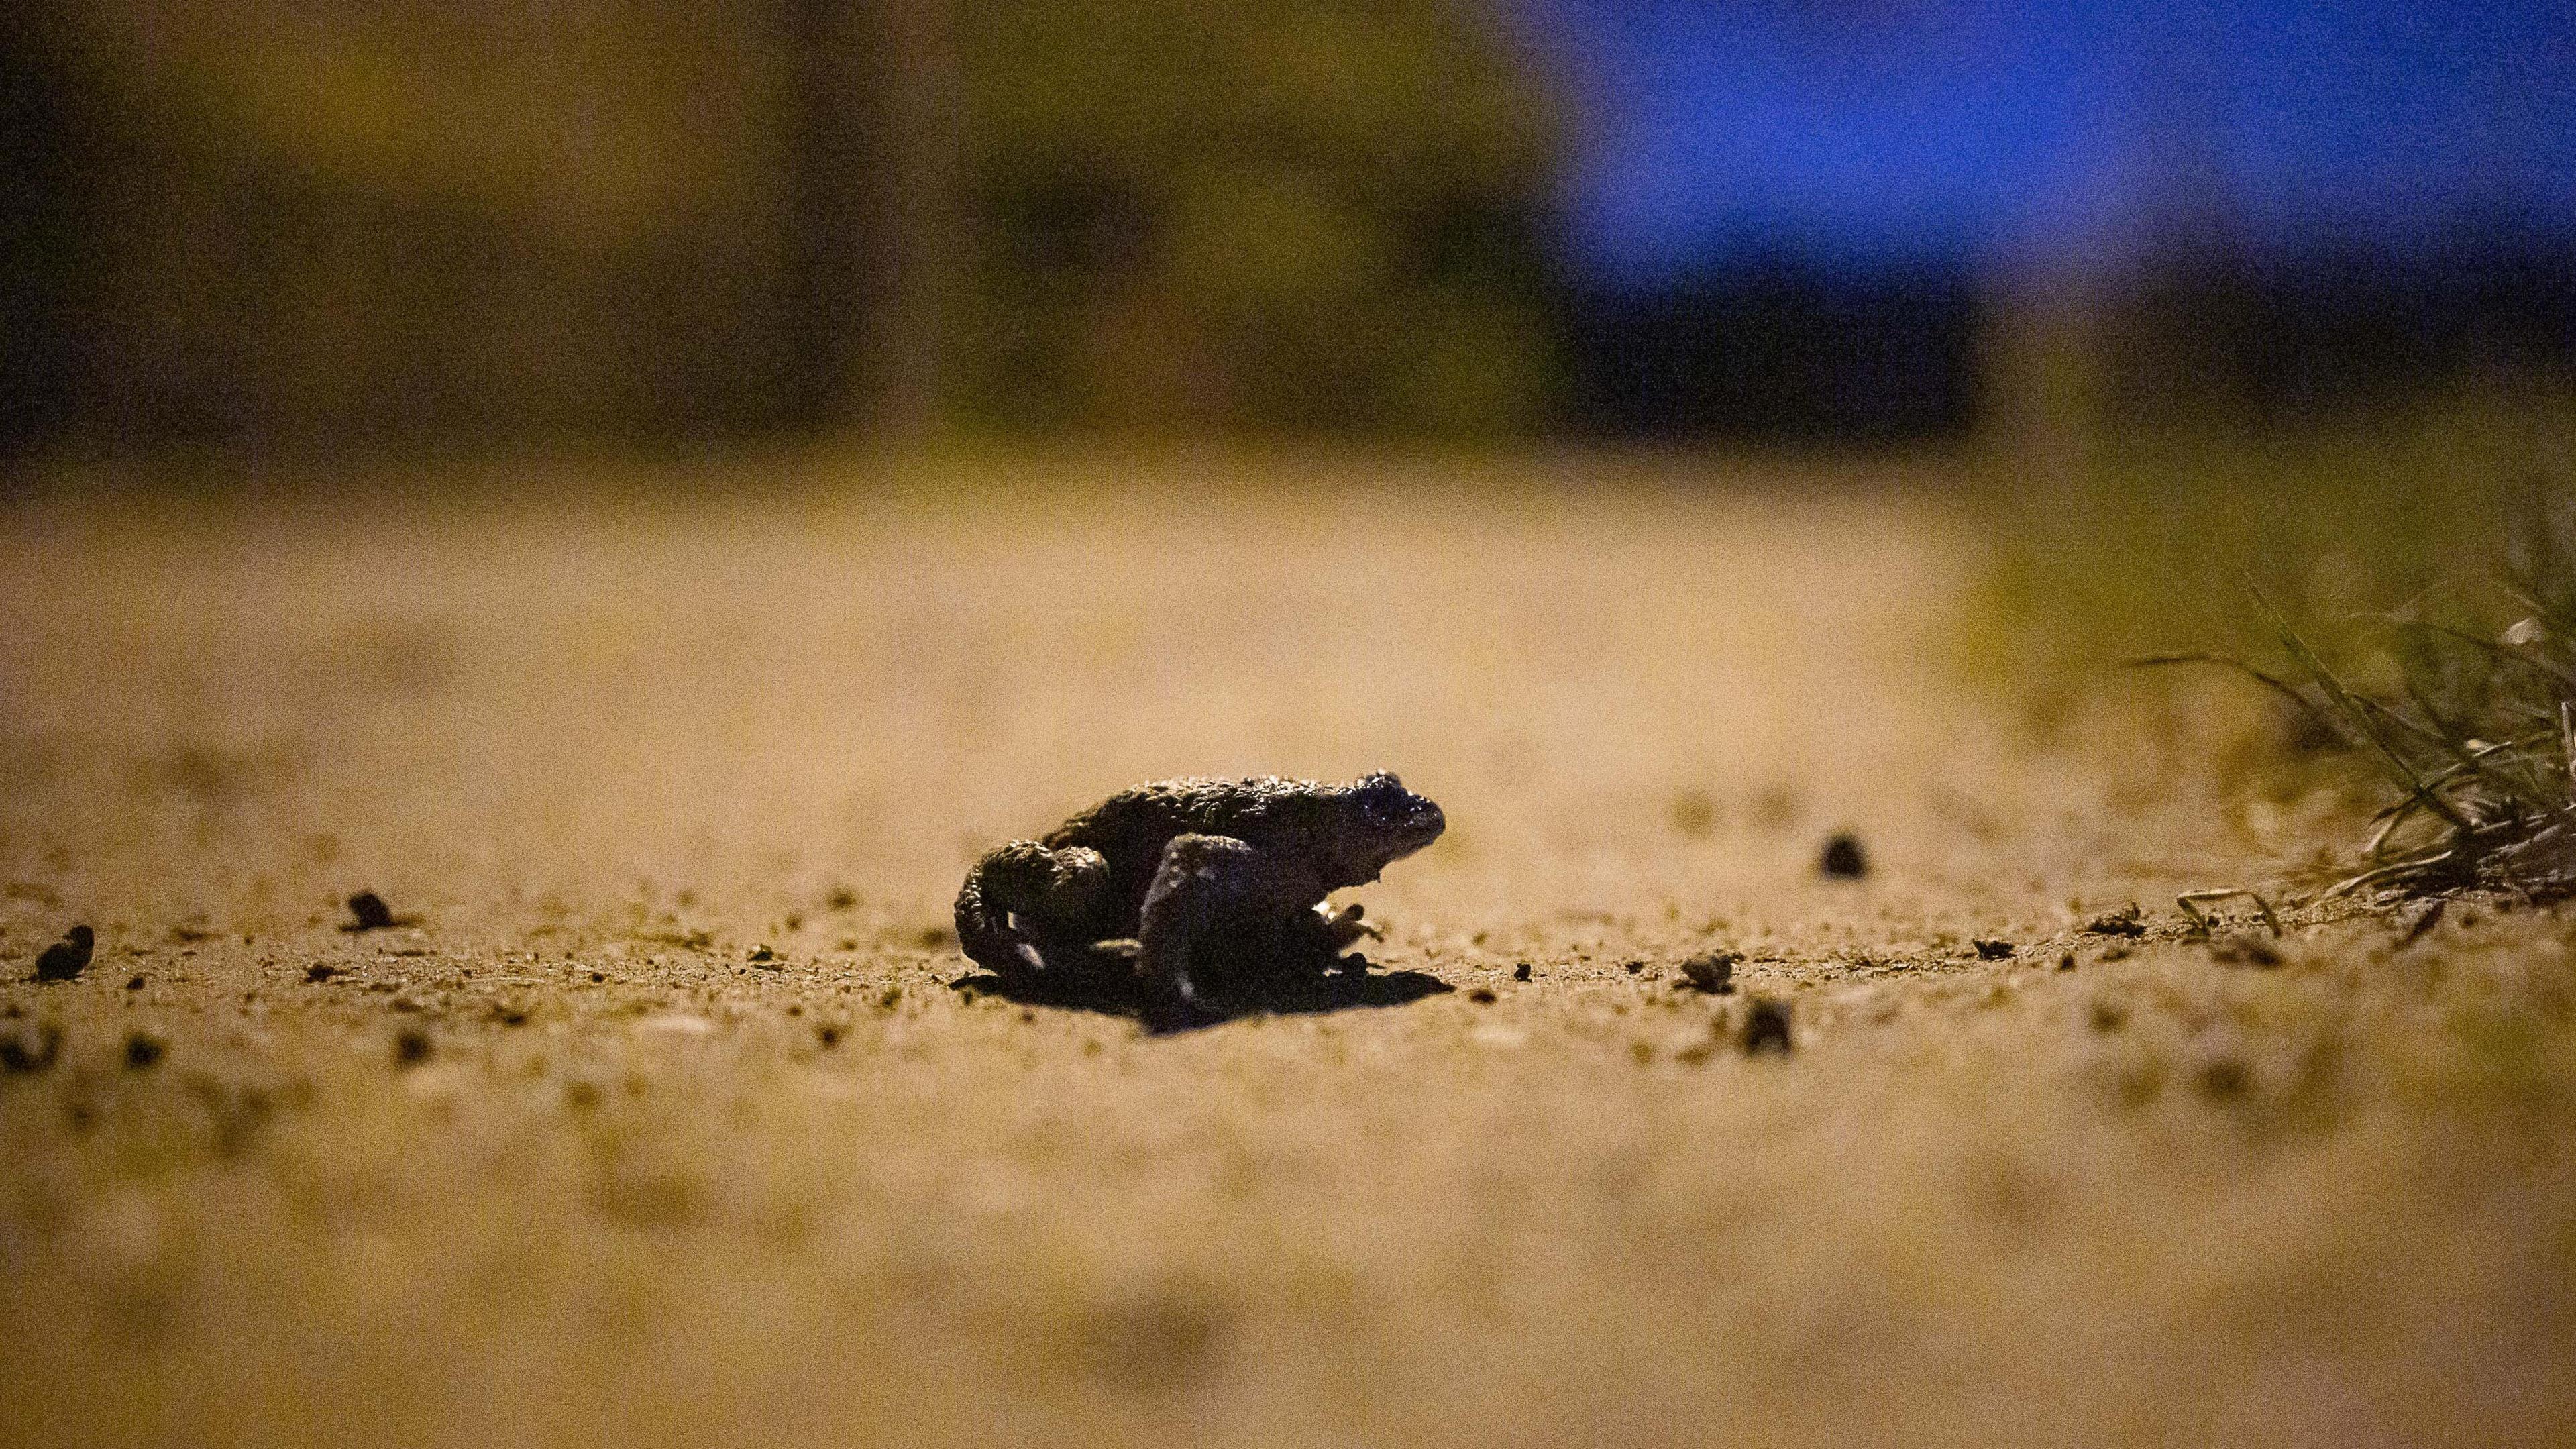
1344,928
1320,936
1201,879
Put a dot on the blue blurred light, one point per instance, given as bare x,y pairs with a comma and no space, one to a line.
2020,135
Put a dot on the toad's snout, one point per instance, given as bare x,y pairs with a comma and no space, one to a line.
1424,825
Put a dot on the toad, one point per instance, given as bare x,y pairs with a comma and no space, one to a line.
1180,877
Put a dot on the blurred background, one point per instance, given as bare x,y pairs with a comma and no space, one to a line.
348,226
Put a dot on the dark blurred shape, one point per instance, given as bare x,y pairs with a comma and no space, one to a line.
2218,337
1781,352
30,1048
2232,336
49,148
1766,1027
1842,859
869,172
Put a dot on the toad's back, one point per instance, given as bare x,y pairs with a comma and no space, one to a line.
1131,827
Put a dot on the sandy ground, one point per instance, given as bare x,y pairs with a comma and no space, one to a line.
562,1162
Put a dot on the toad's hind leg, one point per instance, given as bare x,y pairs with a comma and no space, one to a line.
1199,879
1022,904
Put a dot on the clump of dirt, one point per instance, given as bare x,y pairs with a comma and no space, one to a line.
2127,921
368,912
1713,972
67,957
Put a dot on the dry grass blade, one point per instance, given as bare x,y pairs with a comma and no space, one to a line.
2192,901
2352,707
2476,731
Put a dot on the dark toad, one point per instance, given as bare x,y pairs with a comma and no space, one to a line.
1178,877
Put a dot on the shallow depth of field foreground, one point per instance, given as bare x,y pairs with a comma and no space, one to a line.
662,1119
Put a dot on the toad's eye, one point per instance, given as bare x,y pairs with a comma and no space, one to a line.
1383,797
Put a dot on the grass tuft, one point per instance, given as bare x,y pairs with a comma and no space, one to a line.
2469,719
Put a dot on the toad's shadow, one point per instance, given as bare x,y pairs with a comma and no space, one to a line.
1223,1000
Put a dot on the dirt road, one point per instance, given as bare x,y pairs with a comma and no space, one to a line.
567,1160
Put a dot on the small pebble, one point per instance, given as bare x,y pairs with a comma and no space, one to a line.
320,971
1521,972
134,985
763,953
1990,949
1843,859
2066,962
142,1050
1482,996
